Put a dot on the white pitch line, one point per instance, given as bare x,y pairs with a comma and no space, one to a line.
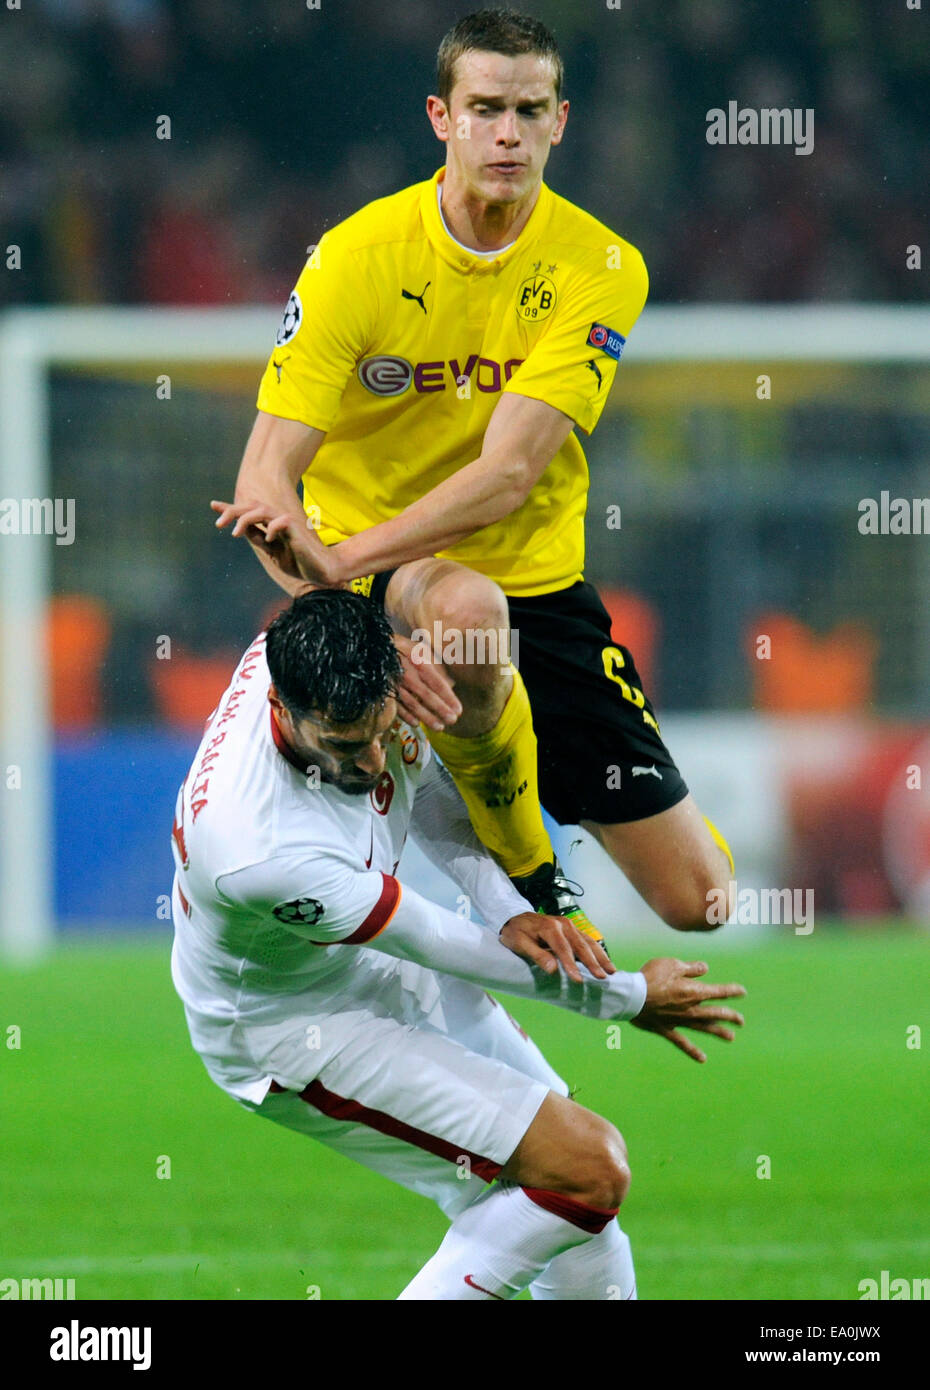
866,1251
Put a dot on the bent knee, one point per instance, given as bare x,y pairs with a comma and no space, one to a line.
603,1178
701,904
467,603
613,1177
573,1151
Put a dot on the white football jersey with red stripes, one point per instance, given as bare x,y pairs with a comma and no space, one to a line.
273,864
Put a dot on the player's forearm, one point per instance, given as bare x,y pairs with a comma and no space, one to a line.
484,491
431,936
276,456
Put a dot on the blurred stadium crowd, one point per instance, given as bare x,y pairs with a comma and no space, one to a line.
284,119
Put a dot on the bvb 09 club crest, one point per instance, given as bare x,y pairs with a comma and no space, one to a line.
536,298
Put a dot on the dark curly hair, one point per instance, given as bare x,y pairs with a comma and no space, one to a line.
331,654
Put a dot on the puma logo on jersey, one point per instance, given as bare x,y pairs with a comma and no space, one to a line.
278,365
652,771
405,294
594,367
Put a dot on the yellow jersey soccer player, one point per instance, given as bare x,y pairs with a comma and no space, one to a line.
439,352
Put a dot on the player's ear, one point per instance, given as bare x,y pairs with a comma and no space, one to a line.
438,115
274,699
560,123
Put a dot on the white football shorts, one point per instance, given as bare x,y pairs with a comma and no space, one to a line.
433,1085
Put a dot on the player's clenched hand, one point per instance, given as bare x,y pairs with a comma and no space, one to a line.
425,694
675,999
286,537
553,941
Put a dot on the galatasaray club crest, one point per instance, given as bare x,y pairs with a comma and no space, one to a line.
382,793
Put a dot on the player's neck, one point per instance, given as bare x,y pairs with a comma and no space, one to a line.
481,225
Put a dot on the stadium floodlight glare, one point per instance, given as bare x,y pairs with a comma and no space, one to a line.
33,341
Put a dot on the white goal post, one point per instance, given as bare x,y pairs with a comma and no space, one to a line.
34,340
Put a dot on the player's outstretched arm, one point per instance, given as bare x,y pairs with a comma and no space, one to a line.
664,996
522,438
423,932
323,898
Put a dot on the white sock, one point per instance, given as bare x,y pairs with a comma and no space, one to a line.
502,1242
598,1271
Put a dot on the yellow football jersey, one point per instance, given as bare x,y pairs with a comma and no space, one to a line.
398,342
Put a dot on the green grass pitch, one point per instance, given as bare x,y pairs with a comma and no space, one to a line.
822,1081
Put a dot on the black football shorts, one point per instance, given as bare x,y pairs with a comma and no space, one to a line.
600,754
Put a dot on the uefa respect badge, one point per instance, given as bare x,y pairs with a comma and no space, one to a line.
607,340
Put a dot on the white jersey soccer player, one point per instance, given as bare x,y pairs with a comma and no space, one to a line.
322,993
